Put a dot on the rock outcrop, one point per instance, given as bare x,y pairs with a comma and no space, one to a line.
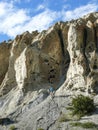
64,56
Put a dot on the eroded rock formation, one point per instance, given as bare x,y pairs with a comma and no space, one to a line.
64,56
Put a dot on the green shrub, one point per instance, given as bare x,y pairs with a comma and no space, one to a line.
40,129
12,127
76,124
82,105
63,118
84,125
89,125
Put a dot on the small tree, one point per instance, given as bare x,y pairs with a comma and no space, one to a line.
12,127
82,105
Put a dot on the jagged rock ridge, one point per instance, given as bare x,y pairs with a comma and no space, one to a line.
64,56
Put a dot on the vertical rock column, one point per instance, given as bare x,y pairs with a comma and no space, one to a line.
20,69
9,81
76,70
92,56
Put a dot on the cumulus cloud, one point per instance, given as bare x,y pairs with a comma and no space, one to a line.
5,8
14,20
10,17
80,11
41,21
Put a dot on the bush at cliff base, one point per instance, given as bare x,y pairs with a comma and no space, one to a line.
82,105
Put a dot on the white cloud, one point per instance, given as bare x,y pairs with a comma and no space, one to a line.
5,8
16,21
80,11
12,21
41,21
10,17
16,1
40,7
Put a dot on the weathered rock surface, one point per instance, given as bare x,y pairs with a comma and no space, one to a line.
64,56
4,59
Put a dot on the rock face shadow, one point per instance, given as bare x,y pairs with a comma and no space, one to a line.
6,121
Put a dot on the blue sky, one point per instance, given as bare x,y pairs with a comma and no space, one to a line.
17,16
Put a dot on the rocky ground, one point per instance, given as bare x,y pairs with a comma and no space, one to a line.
45,112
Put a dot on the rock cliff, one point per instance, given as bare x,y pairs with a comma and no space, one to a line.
65,56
